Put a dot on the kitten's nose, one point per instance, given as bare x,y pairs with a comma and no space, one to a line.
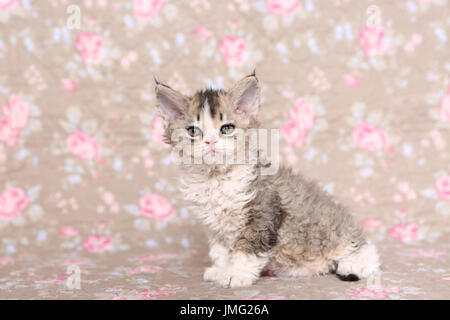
210,141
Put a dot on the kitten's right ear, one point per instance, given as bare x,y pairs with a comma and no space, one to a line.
245,95
172,104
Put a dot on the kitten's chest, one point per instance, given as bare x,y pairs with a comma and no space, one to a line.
219,201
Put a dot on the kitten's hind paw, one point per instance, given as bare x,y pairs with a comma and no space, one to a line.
363,263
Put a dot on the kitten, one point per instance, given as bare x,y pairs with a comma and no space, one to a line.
279,224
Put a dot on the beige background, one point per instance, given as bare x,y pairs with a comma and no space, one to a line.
80,200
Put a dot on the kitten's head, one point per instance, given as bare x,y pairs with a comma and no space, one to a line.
209,123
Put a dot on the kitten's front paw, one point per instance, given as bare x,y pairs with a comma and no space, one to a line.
212,274
233,279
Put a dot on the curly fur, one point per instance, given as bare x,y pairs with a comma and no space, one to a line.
281,224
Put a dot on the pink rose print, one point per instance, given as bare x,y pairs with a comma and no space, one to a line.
58,280
445,107
8,134
6,5
373,292
405,232
156,206
147,9
371,223
202,32
18,112
144,269
369,138
97,243
68,231
13,202
301,119
303,114
438,141
416,39
69,85
293,134
90,47
6,260
232,50
351,80
147,294
15,118
443,187
83,146
373,40
283,7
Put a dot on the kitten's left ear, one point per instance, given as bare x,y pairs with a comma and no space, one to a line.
245,96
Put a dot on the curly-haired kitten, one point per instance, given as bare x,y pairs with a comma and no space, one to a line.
280,224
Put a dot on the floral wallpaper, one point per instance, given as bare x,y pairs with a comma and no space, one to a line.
360,91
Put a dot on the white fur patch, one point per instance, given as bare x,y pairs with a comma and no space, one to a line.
243,270
219,255
219,201
209,129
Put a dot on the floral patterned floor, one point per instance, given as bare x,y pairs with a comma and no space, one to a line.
420,272
360,90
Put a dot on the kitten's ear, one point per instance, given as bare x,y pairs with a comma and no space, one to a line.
245,96
172,104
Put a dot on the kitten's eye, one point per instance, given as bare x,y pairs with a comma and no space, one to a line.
194,131
227,129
